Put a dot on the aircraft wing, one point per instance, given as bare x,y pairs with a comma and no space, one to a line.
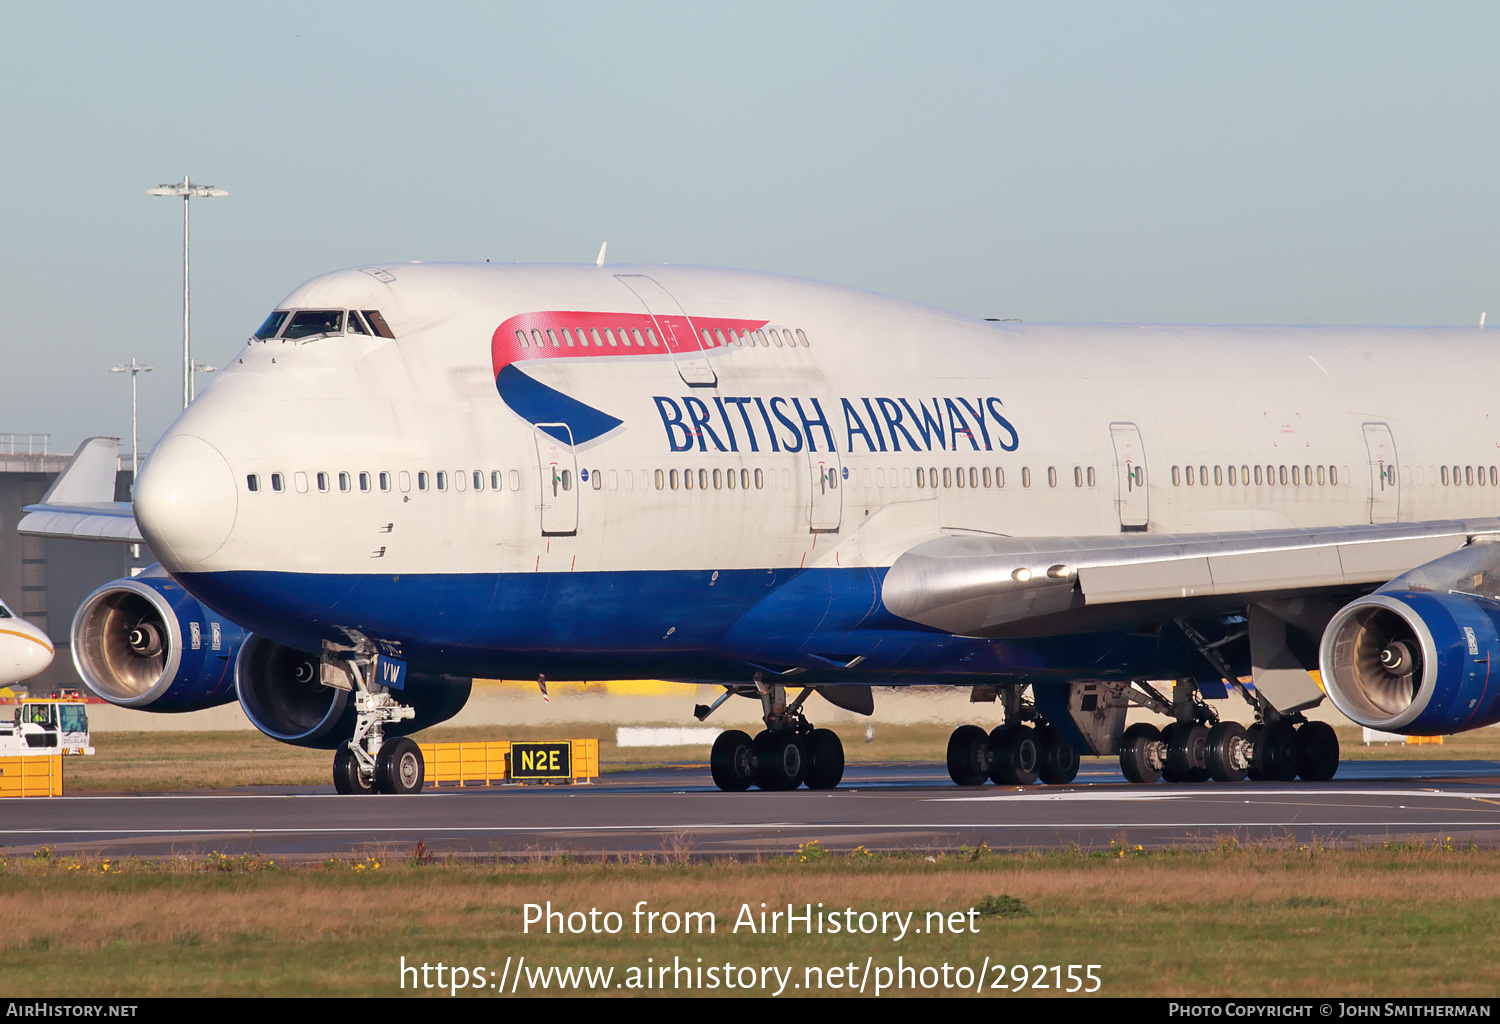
80,503
989,585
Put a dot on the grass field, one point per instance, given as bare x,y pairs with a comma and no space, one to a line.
1401,920
137,761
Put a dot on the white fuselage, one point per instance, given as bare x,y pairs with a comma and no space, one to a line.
1015,429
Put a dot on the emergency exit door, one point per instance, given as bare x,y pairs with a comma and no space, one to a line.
1130,477
558,479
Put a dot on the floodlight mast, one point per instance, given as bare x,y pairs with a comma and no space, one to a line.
133,368
187,190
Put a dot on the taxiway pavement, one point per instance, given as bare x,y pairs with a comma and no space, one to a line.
678,812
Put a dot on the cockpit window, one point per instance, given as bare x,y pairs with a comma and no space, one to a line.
309,322
378,324
272,325
5,613
356,323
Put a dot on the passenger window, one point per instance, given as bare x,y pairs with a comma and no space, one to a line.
1077,476
986,476
364,481
1176,477
496,481
385,481
521,337
1051,476
1218,476
920,476
1320,476
1190,476
1295,477
745,479
999,477
759,481
422,480
672,477
947,476
460,480
718,480
801,338
702,479
299,481
252,482
1091,476
345,482
478,480
775,337
276,482
658,480
1025,476
515,480
594,333
609,338
1469,475
598,479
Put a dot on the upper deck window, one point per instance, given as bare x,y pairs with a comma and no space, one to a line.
309,323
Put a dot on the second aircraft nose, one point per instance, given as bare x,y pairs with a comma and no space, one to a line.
185,501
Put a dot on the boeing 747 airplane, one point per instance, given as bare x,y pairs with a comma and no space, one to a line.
416,474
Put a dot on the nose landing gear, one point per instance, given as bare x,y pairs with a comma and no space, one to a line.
370,763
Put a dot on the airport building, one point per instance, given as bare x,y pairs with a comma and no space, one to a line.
45,580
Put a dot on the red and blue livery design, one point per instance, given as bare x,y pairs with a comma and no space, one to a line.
555,334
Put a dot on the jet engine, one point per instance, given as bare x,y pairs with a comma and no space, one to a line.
282,693
144,642
1421,655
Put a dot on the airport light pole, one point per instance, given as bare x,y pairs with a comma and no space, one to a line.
187,190
134,368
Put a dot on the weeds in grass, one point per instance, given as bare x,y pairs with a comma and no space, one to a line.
811,852
1002,906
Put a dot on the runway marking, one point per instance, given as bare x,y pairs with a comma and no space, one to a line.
1131,794
432,830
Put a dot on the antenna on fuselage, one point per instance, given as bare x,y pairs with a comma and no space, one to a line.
1481,319
600,261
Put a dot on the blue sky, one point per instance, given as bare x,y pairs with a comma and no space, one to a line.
1221,162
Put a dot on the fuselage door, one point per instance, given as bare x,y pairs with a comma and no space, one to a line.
674,328
826,505
1385,482
559,481
1130,477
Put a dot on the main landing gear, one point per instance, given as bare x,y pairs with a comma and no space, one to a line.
1014,754
1197,747
370,763
787,754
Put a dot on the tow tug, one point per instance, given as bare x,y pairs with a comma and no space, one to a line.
47,725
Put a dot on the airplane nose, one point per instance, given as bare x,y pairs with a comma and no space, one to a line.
185,501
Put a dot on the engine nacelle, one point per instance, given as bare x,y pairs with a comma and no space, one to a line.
145,643
282,693
1419,662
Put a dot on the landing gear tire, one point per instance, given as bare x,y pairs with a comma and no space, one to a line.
398,767
780,760
731,761
968,756
1227,753
1139,759
347,779
1255,736
1317,752
1187,744
1013,755
1277,755
1057,761
826,754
